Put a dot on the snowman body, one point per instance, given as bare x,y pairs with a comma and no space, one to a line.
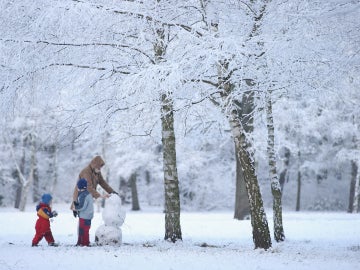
113,216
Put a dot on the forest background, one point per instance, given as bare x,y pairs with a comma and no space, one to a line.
84,78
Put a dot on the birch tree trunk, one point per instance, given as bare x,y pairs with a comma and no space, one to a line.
171,182
279,234
260,228
172,199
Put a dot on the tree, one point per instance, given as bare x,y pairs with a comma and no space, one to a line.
261,235
225,68
275,184
171,182
24,169
261,62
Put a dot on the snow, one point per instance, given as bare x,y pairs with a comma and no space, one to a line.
211,240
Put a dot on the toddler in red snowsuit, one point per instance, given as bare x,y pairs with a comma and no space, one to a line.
42,225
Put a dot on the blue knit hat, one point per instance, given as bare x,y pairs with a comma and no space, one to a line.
82,183
46,198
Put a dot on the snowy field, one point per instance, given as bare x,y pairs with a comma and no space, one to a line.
211,240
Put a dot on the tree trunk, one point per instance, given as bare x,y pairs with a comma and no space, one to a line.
35,176
147,177
36,189
18,185
245,110
354,196
134,193
354,169
261,234
18,172
357,206
172,198
279,234
356,192
171,182
298,194
284,173
242,207
24,192
123,188
26,183
53,168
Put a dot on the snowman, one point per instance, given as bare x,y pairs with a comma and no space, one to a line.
113,216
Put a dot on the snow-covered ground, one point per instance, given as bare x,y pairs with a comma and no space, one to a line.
211,240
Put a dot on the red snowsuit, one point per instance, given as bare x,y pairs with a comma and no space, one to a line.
42,225
83,237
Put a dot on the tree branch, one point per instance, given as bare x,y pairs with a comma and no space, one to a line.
114,45
88,67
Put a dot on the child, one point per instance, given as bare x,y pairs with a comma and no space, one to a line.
85,208
42,226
